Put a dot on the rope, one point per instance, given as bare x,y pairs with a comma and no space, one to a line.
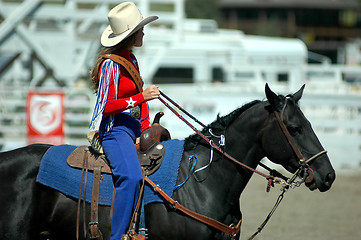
279,199
210,160
190,171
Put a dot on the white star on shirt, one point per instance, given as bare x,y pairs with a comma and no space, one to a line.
130,103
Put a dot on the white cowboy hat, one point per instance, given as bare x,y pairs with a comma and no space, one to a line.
124,20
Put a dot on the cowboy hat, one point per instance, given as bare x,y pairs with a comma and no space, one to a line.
124,20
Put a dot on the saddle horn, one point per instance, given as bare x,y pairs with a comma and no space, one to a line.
156,133
157,118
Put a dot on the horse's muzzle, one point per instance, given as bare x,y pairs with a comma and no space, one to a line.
322,186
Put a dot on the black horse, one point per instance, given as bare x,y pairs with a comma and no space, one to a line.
32,211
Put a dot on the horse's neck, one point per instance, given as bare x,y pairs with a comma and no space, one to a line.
243,142
226,180
243,136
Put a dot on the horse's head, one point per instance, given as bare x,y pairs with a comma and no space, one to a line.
278,148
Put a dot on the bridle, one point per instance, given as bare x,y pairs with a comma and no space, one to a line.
304,172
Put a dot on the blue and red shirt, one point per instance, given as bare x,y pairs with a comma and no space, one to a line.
117,91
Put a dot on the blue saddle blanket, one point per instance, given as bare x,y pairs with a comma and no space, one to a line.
54,172
166,175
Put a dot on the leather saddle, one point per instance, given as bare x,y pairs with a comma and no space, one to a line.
150,160
150,150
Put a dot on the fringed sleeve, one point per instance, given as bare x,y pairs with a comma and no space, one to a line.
109,70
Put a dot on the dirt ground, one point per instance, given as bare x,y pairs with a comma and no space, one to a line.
305,214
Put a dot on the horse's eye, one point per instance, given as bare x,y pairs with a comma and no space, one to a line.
294,131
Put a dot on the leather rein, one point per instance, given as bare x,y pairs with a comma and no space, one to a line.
268,177
233,229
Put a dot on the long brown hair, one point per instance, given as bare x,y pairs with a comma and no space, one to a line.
126,44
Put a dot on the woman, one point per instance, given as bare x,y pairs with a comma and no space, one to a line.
117,98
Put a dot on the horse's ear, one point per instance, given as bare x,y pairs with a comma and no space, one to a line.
272,98
297,96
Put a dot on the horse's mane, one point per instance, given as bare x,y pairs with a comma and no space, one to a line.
221,123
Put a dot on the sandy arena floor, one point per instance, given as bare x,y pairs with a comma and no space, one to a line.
335,214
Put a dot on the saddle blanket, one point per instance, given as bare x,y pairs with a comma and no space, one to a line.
54,172
166,175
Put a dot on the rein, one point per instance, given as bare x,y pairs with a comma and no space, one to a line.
288,182
270,178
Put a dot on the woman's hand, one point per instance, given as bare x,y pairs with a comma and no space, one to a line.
151,92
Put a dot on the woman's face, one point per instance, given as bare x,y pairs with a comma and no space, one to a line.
139,38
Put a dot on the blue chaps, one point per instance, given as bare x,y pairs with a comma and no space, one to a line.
118,144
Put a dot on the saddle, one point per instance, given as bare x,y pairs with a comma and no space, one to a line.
150,152
150,159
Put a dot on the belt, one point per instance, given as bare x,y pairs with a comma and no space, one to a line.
135,112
